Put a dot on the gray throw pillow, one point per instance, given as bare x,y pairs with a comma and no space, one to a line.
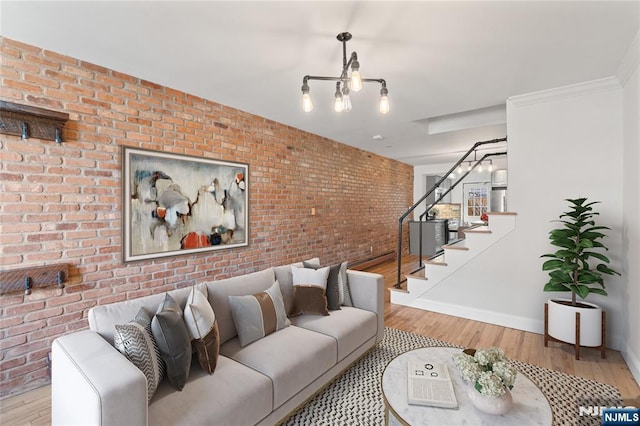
135,341
258,315
333,285
337,286
173,341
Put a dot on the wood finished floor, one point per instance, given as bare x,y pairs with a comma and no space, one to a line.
34,407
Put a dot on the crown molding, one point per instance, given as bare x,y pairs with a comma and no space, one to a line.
566,92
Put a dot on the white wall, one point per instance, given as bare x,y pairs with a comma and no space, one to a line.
629,75
563,143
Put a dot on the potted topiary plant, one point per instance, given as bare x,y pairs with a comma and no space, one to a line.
577,267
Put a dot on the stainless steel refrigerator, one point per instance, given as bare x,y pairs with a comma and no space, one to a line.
498,200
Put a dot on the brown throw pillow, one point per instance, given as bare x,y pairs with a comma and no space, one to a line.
309,299
333,284
208,349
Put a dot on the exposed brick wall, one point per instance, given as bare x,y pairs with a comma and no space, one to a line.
62,203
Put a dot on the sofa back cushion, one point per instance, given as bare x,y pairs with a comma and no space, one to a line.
104,318
219,292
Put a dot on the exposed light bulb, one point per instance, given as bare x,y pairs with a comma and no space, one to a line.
384,99
338,106
490,166
307,104
460,169
355,81
384,104
469,166
480,167
346,99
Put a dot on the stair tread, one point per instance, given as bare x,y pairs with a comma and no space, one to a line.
417,277
398,290
502,213
455,247
478,230
431,262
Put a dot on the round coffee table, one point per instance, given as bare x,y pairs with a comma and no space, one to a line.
530,405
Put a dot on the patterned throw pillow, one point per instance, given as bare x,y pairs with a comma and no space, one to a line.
172,338
135,341
309,291
258,315
203,328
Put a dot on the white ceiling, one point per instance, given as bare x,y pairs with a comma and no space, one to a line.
438,58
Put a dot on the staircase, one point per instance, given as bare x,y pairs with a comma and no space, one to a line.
455,256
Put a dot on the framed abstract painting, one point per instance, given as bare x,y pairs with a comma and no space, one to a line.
176,204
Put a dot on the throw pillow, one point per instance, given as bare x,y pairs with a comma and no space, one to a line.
337,275
258,315
202,326
309,291
172,337
345,292
135,341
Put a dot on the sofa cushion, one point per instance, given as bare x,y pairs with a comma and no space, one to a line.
292,357
173,341
258,315
234,395
104,318
135,341
350,327
219,292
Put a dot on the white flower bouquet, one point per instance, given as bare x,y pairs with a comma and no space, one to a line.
488,370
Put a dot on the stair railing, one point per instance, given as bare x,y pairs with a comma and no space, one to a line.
431,191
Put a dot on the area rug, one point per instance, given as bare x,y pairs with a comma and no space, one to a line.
355,398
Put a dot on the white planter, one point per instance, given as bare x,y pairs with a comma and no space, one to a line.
562,322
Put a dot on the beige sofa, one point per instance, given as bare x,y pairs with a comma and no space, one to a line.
261,383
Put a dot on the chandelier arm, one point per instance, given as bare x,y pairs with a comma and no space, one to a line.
315,77
367,80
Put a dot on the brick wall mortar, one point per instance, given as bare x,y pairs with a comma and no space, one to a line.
62,203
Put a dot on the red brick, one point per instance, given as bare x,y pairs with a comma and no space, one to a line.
79,185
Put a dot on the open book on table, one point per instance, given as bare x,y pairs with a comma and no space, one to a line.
430,384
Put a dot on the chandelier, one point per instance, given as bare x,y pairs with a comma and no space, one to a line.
346,83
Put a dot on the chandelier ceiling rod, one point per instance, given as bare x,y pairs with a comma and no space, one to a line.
345,83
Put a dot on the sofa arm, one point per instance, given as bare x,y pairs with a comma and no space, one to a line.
367,292
93,384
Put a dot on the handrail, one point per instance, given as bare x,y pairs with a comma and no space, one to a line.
430,191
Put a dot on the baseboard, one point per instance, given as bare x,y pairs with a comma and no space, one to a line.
476,314
361,265
632,362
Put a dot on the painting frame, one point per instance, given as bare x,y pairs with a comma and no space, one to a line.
175,204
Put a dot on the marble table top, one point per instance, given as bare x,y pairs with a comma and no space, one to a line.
530,405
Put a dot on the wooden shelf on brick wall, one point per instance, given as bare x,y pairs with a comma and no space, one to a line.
31,122
26,279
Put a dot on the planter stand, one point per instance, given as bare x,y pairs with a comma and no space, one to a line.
576,346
